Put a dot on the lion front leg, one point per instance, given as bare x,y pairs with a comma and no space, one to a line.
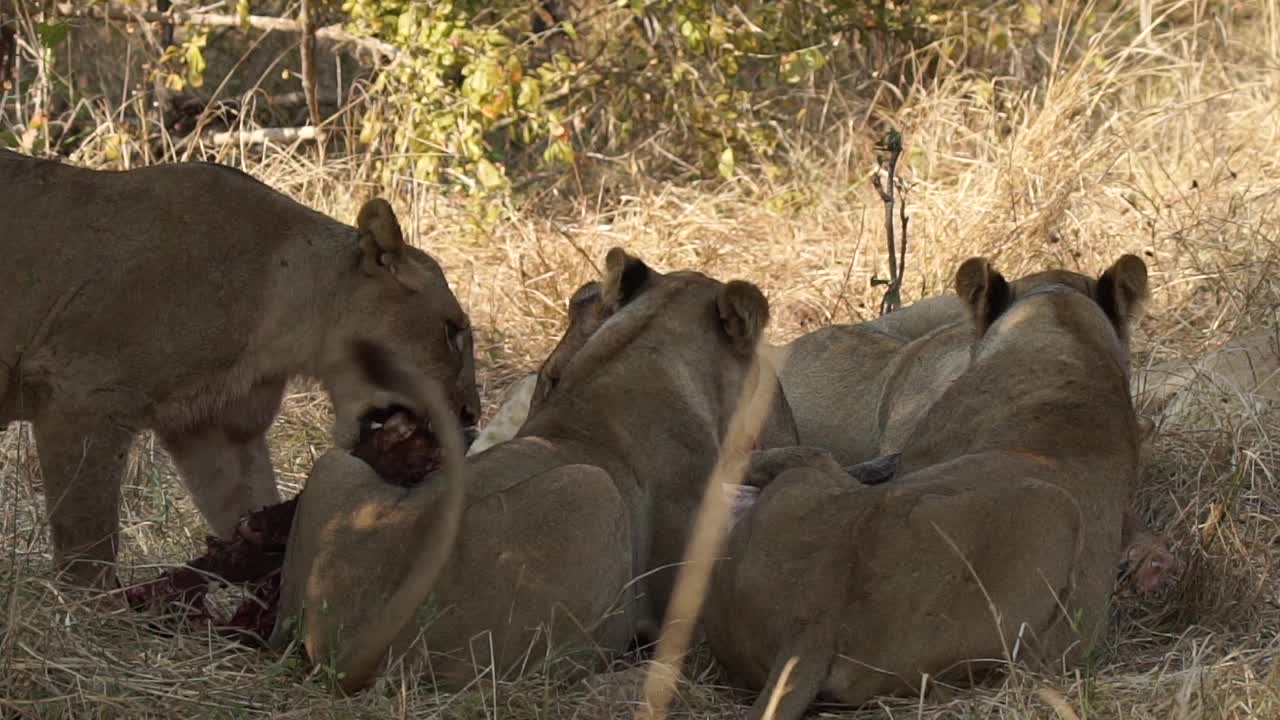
227,477
82,459
226,464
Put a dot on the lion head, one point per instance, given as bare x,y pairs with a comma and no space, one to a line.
399,319
1120,293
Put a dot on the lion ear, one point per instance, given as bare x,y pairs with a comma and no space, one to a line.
381,241
1122,292
583,299
983,290
744,312
625,276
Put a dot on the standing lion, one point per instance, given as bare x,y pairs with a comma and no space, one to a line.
182,298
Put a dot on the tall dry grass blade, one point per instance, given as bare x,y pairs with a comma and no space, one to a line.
705,540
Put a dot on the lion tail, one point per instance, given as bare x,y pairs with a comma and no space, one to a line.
438,530
797,677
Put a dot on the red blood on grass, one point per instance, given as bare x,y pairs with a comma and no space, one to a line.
402,452
254,558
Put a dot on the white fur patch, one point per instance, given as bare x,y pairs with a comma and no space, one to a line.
510,416
741,498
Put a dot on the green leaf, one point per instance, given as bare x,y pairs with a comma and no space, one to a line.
530,93
489,175
1031,12
51,33
407,22
427,168
718,32
813,59
725,165
558,151
195,61
242,12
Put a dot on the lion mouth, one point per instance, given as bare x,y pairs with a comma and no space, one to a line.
394,420
402,448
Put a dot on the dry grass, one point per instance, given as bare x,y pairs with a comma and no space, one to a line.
1166,144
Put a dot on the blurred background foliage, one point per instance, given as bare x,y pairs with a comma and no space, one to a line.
476,96
487,88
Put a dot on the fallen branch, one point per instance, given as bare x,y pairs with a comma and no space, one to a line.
290,100
266,135
333,33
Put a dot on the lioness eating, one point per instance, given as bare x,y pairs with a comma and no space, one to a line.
562,523
996,541
904,360
584,318
584,315
182,298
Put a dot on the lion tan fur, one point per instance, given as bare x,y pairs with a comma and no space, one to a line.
563,524
182,298
859,390
584,318
898,580
1246,368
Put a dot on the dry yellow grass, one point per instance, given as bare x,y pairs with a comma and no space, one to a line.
1166,144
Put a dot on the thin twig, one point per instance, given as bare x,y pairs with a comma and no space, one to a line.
891,149
307,21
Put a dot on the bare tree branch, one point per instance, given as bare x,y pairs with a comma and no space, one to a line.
309,61
334,33
266,135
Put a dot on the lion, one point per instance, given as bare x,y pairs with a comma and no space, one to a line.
584,318
859,390
514,408
182,298
932,573
564,524
1247,368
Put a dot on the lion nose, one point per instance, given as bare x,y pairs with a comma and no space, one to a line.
468,416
